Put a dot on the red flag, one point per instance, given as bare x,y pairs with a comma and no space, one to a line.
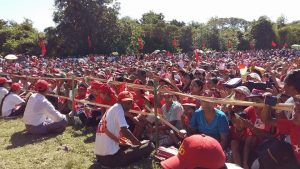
140,41
204,45
273,44
89,41
251,45
196,56
285,45
174,43
43,47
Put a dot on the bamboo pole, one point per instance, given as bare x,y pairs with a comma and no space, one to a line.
280,106
155,113
73,92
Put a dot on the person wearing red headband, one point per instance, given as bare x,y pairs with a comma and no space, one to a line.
103,94
40,116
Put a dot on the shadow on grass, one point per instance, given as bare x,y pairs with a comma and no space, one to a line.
22,138
90,134
90,139
149,162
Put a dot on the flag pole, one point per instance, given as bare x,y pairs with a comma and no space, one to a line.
155,112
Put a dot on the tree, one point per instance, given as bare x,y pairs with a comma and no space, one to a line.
76,20
281,21
152,18
177,23
186,39
18,38
263,33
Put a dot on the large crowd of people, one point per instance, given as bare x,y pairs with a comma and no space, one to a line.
208,135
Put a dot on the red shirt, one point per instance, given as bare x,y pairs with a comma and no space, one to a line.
240,136
252,116
285,126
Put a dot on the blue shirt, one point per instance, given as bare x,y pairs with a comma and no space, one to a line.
219,125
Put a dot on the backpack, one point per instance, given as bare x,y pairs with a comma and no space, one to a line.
276,154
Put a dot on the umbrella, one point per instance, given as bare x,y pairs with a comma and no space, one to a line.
198,51
295,46
156,51
115,53
11,57
81,60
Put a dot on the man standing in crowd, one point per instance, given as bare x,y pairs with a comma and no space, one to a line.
109,150
40,116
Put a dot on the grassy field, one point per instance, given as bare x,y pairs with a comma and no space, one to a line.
72,149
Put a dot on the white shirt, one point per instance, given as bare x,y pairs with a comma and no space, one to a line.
3,92
115,119
10,103
38,109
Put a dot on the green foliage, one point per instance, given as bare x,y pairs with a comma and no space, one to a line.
263,33
152,18
18,38
290,33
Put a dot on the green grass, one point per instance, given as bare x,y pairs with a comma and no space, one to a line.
69,150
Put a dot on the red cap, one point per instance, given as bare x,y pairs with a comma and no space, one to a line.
3,80
41,85
149,98
125,96
197,151
95,85
16,86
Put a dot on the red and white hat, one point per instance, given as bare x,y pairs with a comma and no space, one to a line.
197,151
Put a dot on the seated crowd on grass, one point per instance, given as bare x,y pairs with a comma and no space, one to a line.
208,135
